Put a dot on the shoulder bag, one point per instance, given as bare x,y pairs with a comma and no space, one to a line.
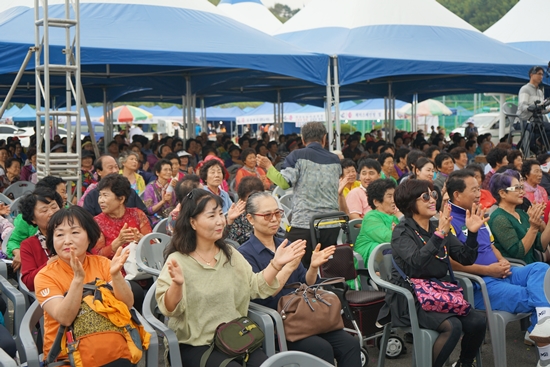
310,310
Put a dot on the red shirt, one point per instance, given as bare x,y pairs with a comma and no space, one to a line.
110,227
33,259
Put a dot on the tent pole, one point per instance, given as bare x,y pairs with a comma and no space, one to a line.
194,113
188,104
17,80
329,108
282,127
184,112
108,133
278,122
89,121
337,102
203,115
501,126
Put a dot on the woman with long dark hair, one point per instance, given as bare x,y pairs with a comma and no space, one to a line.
204,282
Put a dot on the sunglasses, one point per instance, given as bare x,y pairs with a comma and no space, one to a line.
267,217
429,195
515,188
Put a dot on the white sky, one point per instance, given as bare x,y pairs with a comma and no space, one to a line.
293,4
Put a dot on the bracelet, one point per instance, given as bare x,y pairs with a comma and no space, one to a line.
273,264
443,233
440,235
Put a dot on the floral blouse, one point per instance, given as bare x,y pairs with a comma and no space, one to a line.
240,230
110,228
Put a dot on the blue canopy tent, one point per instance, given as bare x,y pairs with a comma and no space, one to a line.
402,47
521,28
145,50
27,113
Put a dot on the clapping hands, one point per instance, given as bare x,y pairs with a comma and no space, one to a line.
475,218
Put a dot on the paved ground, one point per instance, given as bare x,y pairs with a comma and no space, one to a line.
518,354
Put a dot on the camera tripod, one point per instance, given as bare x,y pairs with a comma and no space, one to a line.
537,128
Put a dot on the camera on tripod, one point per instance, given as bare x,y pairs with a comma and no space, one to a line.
538,109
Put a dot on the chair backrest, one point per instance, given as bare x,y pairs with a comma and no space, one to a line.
161,226
6,200
286,200
150,252
29,296
5,244
28,346
278,192
6,360
19,189
150,313
382,264
9,292
341,264
14,208
233,243
353,230
294,359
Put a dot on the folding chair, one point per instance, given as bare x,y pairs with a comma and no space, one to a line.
30,297
353,230
286,200
150,252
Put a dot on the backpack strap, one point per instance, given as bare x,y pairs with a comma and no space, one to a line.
225,362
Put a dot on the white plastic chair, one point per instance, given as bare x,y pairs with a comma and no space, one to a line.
160,227
19,189
150,257
294,359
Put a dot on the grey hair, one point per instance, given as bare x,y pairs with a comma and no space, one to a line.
313,131
252,202
124,157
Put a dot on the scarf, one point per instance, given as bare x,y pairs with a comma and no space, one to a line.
536,192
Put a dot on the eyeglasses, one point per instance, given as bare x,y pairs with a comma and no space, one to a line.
429,195
267,217
515,188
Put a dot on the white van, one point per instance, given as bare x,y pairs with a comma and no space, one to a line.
486,123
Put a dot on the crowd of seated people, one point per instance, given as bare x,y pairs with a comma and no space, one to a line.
395,189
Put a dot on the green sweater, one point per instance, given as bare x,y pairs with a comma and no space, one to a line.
21,232
211,295
377,228
509,232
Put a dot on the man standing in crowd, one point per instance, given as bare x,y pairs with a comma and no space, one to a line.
314,174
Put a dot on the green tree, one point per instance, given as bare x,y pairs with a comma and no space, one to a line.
347,129
479,13
283,12
215,2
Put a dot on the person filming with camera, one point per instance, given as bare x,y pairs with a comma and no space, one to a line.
530,93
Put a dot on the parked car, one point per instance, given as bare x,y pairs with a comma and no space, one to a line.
7,131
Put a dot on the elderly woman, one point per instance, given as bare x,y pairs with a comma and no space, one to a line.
421,248
212,173
37,209
71,235
517,233
13,172
28,172
265,216
534,192
159,197
119,225
349,175
238,227
248,157
4,154
378,224
205,282
515,159
129,165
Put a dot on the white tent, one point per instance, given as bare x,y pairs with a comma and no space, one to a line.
252,13
524,27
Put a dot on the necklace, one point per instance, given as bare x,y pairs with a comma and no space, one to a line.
436,256
203,259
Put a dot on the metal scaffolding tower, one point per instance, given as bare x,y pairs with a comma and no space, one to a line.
64,165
